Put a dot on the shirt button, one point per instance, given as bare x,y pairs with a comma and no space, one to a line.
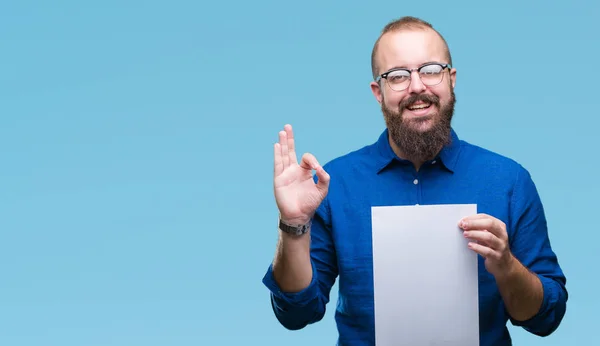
433,162
416,181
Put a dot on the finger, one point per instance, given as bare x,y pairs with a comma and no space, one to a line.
471,218
309,161
481,249
479,216
488,223
485,238
278,160
285,156
290,142
476,224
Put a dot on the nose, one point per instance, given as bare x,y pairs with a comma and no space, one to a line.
416,86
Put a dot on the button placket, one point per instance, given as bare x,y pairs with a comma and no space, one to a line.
417,184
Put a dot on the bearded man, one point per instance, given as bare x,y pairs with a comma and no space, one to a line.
325,221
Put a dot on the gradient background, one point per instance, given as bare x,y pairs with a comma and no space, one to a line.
136,141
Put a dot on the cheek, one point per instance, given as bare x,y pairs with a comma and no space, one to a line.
392,100
391,105
444,99
443,94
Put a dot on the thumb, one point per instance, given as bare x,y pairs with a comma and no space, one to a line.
310,162
323,180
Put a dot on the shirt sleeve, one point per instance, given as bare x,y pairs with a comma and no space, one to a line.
530,244
296,310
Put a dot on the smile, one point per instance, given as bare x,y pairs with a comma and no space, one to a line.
419,106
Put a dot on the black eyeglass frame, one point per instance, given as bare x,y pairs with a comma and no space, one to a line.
410,71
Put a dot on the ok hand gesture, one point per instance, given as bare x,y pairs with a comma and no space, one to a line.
296,194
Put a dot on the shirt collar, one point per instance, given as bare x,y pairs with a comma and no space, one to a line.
448,156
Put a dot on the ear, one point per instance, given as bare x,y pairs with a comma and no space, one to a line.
376,90
453,77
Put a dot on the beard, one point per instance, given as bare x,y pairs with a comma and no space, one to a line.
420,145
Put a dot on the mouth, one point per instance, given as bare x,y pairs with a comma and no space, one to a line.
420,108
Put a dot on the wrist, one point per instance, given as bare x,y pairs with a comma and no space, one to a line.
295,221
511,270
295,228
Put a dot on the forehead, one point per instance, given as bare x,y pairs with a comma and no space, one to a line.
410,48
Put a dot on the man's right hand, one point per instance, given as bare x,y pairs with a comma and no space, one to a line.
296,194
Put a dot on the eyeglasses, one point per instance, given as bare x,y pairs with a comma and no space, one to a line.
399,78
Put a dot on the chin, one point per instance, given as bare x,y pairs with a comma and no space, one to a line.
422,123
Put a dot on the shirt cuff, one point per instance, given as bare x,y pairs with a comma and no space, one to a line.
544,322
295,299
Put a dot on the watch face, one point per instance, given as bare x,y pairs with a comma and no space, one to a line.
296,230
300,230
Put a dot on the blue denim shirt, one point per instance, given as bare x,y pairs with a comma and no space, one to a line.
341,245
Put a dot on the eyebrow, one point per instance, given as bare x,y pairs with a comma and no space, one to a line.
423,64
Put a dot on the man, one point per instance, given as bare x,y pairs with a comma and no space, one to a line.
325,222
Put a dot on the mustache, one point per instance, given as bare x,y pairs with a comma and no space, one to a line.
433,99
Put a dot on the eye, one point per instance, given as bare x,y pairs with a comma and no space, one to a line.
431,69
398,76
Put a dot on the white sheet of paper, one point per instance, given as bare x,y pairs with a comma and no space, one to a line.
425,276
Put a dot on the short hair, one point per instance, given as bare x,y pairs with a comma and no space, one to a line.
407,22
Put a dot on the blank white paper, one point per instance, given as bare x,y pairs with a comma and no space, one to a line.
425,277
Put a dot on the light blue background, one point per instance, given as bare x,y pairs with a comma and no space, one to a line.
136,141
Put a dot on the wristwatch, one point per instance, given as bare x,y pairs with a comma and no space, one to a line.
296,230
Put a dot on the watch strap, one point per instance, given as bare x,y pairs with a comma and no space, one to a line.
297,230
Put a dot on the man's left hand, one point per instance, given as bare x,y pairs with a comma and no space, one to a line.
489,239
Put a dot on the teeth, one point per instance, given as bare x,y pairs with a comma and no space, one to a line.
419,106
